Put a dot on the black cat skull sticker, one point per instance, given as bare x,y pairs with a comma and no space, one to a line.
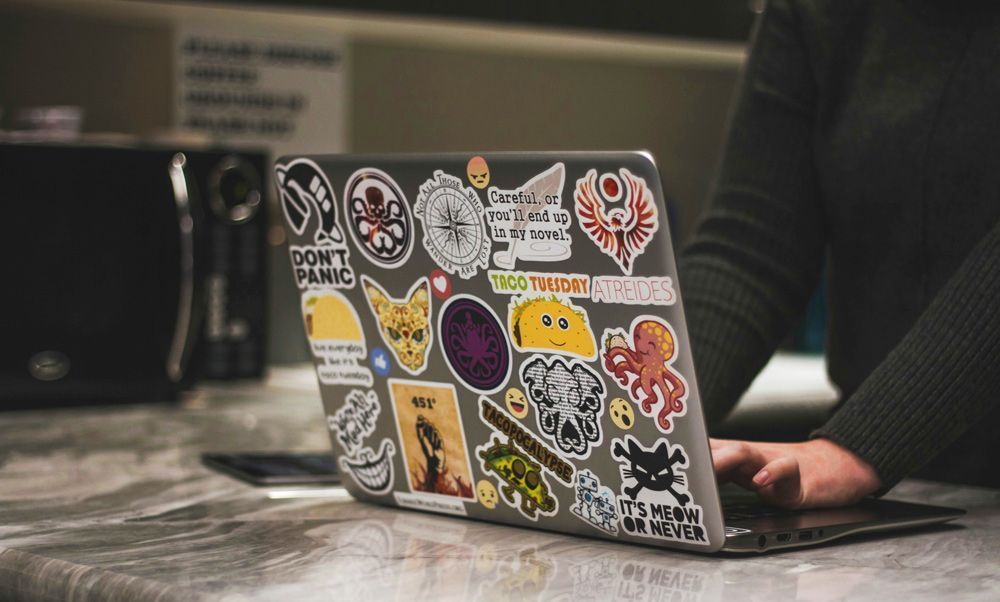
655,501
569,398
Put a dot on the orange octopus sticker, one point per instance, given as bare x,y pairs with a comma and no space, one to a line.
640,360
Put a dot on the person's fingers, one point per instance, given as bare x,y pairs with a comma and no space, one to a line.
783,468
737,456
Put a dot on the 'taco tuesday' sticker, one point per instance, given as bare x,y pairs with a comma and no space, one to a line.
354,421
404,324
620,231
595,503
430,429
530,219
552,325
454,231
473,343
641,362
569,401
335,336
655,501
378,217
307,197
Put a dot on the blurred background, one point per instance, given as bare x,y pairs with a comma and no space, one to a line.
328,76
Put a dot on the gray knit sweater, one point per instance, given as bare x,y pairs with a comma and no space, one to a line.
867,136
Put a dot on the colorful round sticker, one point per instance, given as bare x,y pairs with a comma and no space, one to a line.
473,343
378,217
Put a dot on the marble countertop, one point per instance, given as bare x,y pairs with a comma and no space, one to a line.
114,504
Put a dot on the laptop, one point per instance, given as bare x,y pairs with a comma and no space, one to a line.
500,336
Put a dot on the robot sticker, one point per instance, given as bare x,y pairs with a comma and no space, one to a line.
620,231
454,231
307,197
355,420
655,501
405,324
336,337
641,362
430,430
378,217
530,219
569,400
518,474
552,325
474,344
595,503
370,470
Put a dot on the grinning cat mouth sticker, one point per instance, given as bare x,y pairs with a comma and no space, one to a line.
641,362
655,500
618,213
378,217
372,472
405,324
569,399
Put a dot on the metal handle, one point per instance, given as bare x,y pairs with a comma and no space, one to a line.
180,345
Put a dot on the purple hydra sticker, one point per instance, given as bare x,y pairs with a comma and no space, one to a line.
474,344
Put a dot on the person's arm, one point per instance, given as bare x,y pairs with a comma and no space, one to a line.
755,260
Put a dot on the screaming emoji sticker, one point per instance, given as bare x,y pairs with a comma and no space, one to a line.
517,404
621,231
552,325
403,323
622,414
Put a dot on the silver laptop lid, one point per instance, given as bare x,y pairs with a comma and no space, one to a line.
500,336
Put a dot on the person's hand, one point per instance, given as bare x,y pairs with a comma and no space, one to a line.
812,474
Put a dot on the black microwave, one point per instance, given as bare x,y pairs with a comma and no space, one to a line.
129,273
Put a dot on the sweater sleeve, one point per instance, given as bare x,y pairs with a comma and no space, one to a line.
755,259
938,382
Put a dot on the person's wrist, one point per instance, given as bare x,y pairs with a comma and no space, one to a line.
848,466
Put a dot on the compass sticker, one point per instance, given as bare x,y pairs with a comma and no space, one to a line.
454,229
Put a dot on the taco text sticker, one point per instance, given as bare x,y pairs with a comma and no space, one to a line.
335,335
430,429
618,213
640,360
378,217
655,501
508,282
522,484
355,420
454,230
552,325
530,220
405,324
568,397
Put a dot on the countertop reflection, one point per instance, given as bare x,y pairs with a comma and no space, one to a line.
113,503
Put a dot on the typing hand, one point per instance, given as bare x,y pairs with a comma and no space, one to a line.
812,474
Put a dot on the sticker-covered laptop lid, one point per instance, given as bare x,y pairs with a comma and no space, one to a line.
499,336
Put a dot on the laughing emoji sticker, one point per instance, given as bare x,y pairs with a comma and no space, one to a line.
551,325
517,403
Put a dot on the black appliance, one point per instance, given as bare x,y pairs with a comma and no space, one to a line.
128,273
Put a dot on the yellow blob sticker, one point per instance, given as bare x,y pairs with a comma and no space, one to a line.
621,413
487,494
